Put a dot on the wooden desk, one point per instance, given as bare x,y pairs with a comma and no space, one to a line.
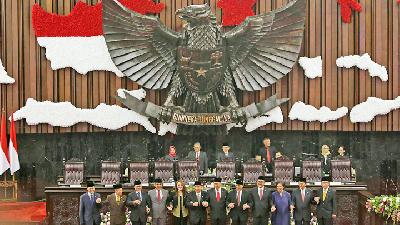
63,202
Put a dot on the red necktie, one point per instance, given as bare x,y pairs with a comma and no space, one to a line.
238,198
218,196
268,155
261,193
197,157
158,196
302,195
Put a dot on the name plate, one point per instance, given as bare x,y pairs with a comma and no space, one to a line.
75,185
202,118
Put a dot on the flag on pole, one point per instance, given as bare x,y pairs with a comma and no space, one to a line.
13,148
4,163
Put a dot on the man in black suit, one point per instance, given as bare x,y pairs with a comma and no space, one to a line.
225,155
267,153
200,157
217,202
326,203
196,202
139,203
89,206
261,202
239,202
301,203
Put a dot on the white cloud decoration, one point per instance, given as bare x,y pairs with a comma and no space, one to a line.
308,113
366,111
312,66
4,78
363,62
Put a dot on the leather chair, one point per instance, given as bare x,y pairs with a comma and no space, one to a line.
226,170
341,170
311,170
188,171
74,170
283,170
110,172
164,169
139,171
251,171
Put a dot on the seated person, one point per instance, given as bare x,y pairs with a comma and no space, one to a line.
326,159
225,155
341,153
172,154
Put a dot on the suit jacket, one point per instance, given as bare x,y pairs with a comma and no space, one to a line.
138,212
223,157
218,208
237,211
158,209
89,210
203,161
117,212
261,208
326,208
302,210
263,153
196,213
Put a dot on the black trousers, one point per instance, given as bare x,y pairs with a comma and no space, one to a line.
238,221
202,221
260,220
219,221
179,220
302,222
325,221
139,222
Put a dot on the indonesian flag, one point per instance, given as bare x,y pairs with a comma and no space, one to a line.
13,148
76,40
4,164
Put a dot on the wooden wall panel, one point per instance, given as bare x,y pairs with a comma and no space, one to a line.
375,31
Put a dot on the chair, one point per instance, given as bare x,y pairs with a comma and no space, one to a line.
74,170
188,171
311,170
110,172
341,170
226,170
251,171
283,170
139,171
164,169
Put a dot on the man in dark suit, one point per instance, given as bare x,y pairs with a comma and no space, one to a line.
326,203
267,153
139,204
197,204
225,155
89,206
261,202
117,206
301,203
200,157
238,202
217,202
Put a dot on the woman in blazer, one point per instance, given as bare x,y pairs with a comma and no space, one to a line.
176,202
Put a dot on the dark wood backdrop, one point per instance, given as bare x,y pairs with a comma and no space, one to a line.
375,30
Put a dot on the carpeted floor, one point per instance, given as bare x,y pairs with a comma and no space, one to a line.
22,212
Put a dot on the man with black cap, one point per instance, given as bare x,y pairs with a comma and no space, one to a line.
301,203
197,204
261,202
326,203
117,205
217,202
139,204
158,197
239,202
89,206
225,155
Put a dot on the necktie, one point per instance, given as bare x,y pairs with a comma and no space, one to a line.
238,198
268,155
91,197
261,193
158,196
218,196
140,196
302,195
197,156
198,197
324,195
118,199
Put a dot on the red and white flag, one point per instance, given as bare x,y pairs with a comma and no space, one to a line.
13,148
4,163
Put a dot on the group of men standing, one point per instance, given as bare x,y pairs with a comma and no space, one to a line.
264,204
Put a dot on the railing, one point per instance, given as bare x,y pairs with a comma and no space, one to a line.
7,187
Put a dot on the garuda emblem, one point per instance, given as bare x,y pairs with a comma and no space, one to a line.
202,64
